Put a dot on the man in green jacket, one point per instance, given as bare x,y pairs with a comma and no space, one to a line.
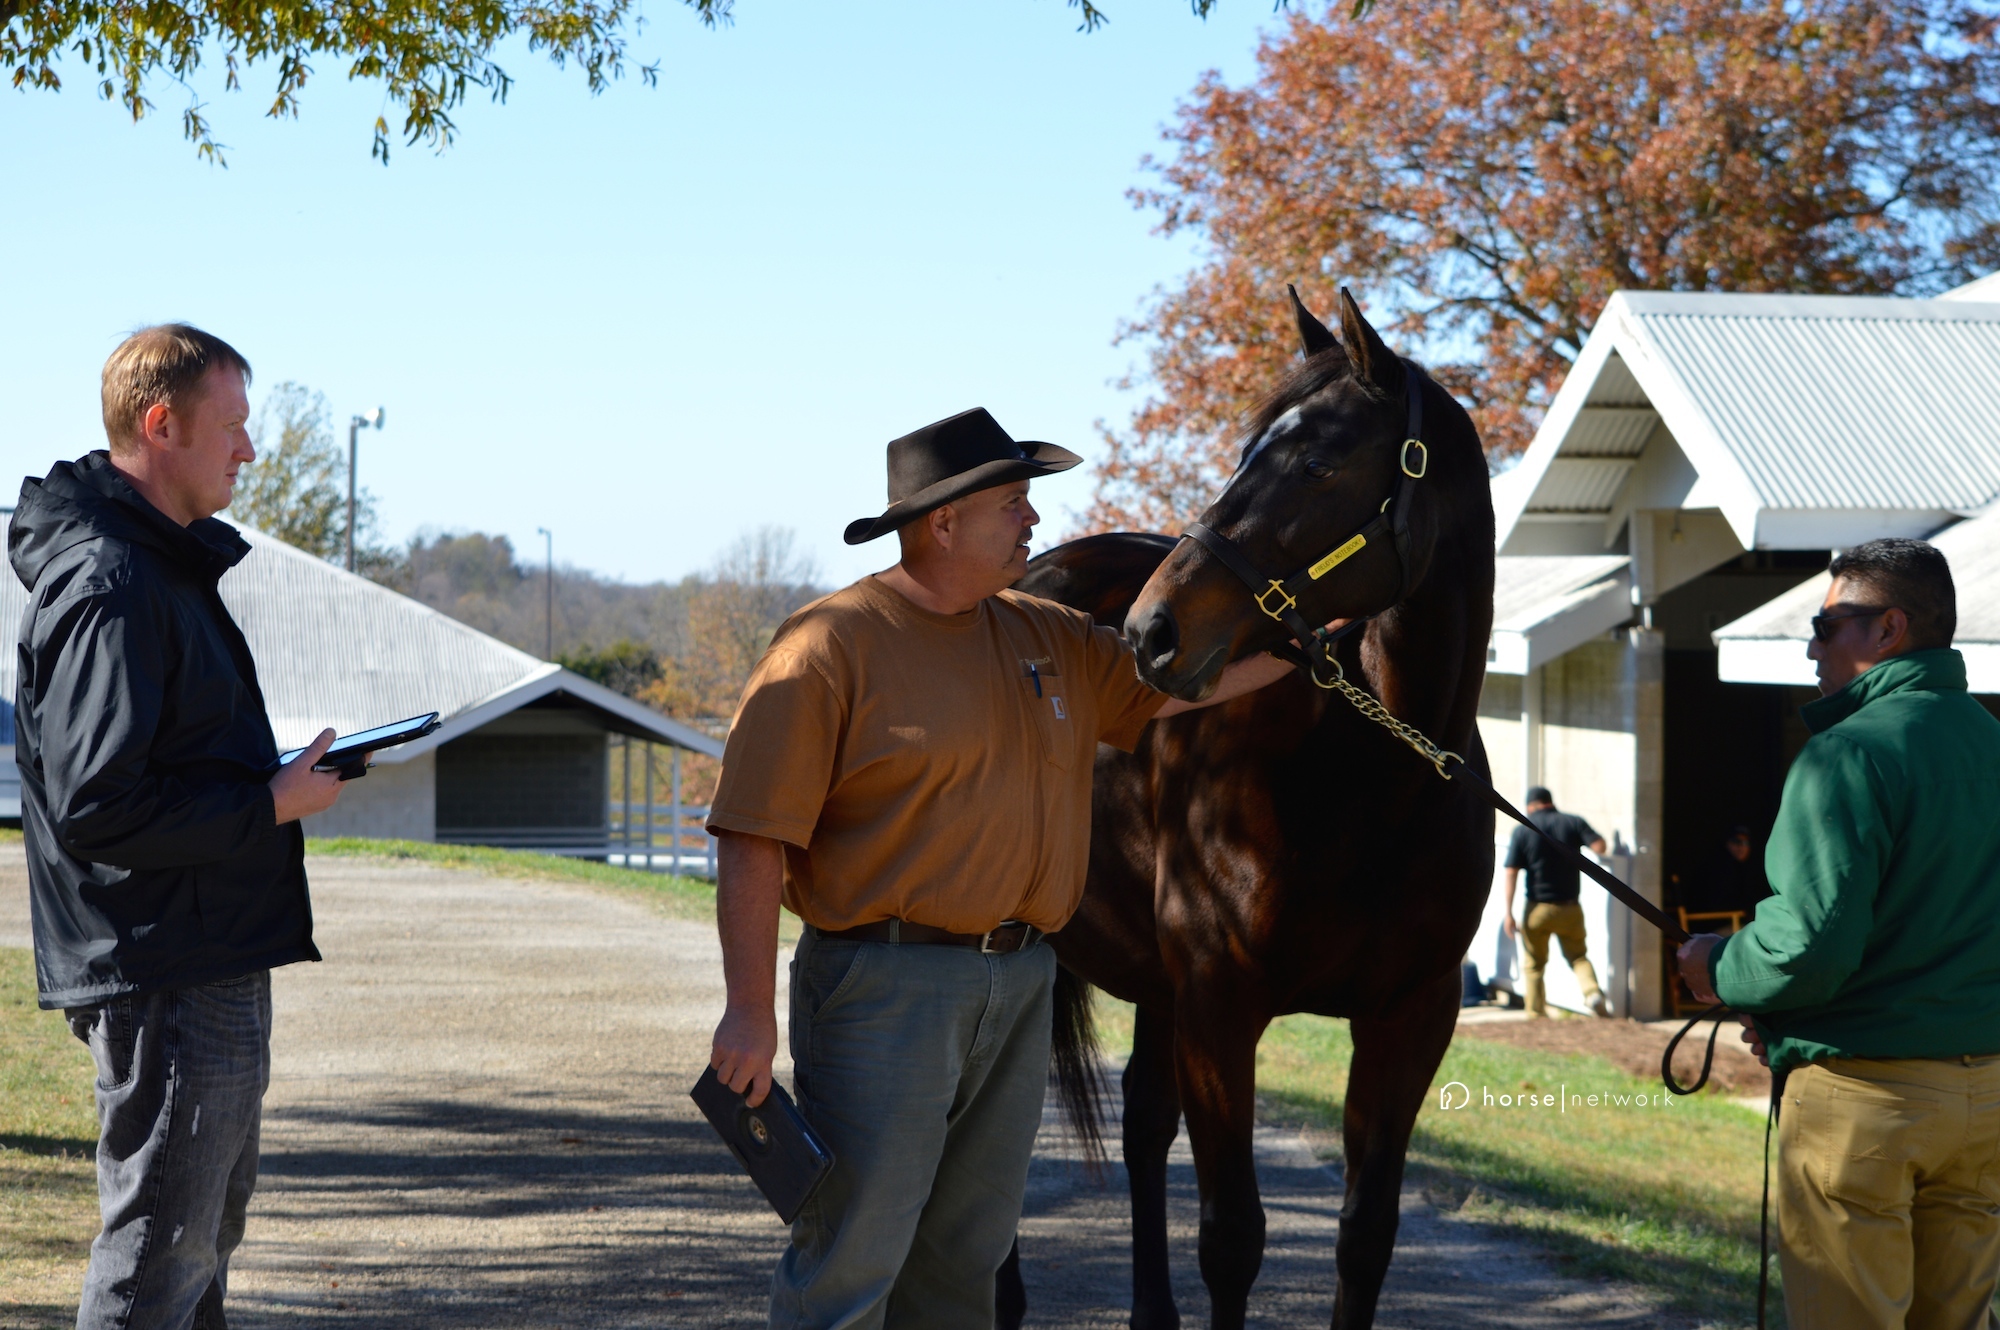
1874,971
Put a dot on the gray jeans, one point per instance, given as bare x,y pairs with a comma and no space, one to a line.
924,1067
180,1089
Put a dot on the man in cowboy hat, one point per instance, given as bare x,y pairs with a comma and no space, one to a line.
910,774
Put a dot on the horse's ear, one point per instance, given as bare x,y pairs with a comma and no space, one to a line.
1314,336
1371,356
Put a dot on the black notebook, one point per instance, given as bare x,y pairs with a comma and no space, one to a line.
779,1149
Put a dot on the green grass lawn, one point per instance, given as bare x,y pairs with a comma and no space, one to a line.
48,1131
1661,1196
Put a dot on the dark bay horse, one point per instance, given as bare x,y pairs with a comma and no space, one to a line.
1281,853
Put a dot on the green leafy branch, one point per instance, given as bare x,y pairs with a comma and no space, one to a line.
431,55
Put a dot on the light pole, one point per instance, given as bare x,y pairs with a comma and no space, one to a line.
354,428
549,588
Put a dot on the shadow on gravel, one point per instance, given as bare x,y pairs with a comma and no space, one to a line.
537,1157
576,1219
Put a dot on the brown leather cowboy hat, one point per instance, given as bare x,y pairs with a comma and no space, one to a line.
950,459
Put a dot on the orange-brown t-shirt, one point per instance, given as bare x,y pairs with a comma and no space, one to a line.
933,768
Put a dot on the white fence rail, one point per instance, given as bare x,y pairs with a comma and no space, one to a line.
646,833
648,842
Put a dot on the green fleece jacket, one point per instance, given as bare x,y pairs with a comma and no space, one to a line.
1883,937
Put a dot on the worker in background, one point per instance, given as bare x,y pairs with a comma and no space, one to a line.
1553,907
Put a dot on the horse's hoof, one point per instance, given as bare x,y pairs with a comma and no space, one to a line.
1151,1319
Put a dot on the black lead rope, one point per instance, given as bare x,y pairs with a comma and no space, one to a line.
1771,1111
1718,1011
1764,1205
1603,877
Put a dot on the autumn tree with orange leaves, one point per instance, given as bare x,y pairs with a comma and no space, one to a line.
1485,173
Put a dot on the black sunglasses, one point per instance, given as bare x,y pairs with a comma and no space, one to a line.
1822,624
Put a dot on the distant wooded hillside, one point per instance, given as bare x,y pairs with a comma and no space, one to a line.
683,647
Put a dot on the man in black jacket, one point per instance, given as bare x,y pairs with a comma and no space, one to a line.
165,861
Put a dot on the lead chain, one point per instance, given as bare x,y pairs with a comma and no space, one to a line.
1366,704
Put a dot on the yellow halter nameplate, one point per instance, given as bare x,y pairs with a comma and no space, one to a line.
1335,559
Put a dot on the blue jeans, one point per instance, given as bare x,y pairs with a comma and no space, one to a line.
180,1089
924,1068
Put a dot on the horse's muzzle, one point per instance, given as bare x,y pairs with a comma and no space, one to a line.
1156,648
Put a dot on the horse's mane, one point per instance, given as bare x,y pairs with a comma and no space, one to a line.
1314,374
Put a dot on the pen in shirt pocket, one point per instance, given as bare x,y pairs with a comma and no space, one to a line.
1042,667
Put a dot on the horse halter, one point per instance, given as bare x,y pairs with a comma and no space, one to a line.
1279,598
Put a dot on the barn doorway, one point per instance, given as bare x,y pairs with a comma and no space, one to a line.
1727,746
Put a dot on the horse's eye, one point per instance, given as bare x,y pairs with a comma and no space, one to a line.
1318,469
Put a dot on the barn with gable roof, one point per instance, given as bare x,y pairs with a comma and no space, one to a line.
1663,543
529,753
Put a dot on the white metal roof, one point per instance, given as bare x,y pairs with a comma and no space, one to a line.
1768,645
1810,422
1545,605
336,649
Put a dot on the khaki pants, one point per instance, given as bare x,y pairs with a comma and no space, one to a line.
1565,922
1889,1193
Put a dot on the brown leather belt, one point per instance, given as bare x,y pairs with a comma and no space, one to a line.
1009,937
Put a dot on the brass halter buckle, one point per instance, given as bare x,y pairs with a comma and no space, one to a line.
1423,459
1276,588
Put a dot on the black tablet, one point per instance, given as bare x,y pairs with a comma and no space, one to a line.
349,754
777,1147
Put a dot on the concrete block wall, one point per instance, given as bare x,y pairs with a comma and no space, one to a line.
394,801
1589,744
1596,745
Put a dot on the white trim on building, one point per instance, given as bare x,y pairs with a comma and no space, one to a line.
1798,422
1548,604
1985,288
1768,645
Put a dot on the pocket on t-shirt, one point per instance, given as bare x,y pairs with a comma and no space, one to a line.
1056,726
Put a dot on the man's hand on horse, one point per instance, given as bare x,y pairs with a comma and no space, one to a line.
1239,677
745,1043
1693,960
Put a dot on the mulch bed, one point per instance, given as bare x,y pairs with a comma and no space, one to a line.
1635,1048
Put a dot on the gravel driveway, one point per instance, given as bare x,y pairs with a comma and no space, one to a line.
478,1119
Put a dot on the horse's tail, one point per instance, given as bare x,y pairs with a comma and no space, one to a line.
1075,1061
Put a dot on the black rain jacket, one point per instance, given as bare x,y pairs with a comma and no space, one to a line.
154,855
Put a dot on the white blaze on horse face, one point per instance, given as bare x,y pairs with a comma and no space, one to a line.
1283,426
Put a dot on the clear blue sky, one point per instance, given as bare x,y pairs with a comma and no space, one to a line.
653,319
